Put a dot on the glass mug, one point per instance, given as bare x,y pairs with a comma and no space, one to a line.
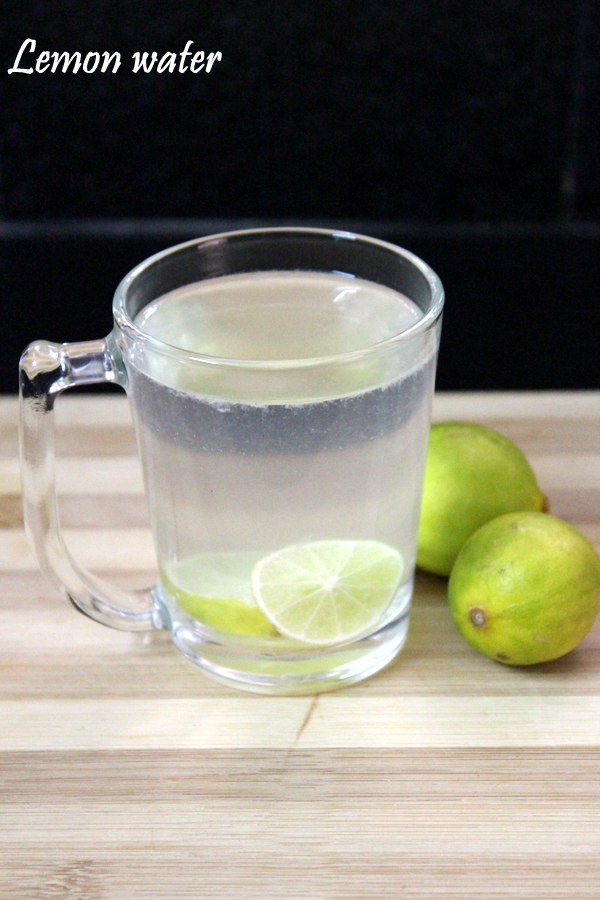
281,383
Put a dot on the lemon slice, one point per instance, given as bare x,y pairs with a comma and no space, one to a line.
214,589
327,592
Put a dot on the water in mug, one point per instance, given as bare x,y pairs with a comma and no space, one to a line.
243,460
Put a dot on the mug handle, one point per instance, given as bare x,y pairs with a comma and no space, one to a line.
46,370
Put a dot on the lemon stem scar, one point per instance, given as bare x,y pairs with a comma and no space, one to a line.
477,616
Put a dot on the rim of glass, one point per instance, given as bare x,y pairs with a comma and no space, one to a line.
126,324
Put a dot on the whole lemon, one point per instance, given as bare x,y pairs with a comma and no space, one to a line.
472,475
525,588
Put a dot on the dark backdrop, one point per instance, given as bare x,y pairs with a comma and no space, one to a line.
467,132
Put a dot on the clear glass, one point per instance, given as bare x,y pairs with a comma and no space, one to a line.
258,454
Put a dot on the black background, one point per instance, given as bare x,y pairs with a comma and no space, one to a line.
467,132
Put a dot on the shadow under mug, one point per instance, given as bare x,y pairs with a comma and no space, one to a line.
244,458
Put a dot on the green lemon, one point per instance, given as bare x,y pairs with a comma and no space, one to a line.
214,588
525,588
472,475
327,592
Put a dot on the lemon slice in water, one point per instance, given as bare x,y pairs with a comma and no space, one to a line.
327,592
214,589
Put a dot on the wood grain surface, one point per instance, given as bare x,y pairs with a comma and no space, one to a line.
126,773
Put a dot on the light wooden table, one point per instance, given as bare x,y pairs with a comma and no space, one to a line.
125,773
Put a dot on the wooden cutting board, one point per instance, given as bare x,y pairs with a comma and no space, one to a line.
125,773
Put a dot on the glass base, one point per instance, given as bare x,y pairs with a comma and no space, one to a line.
280,666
